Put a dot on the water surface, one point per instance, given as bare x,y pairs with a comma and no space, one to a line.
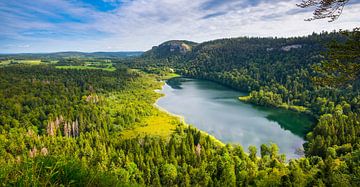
216,109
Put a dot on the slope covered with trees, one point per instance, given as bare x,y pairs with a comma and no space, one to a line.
64,126
280,72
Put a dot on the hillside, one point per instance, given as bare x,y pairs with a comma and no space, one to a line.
277,72
87,127
281,66
170,49
218,93
73,54
93,123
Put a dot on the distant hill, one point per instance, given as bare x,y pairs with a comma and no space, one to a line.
237,53
75,54
280,66
171,48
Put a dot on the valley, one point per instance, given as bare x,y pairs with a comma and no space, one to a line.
216,110
228,112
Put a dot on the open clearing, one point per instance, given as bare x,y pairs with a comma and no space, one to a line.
86,67
161,124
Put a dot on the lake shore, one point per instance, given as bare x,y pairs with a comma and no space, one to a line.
182,118
228,119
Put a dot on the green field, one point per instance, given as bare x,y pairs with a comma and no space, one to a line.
86,67
105,65
30,62
161,124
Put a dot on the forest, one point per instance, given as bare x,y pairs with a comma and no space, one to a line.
279,72
75,125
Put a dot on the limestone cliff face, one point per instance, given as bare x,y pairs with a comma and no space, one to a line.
171,48
177,47
289,47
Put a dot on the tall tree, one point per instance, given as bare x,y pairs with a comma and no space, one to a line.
343,64
331,9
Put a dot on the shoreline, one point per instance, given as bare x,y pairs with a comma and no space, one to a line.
204,133
182,118
245,99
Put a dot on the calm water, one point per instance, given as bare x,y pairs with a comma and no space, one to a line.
216,109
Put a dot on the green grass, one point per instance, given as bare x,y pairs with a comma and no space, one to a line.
161,124
245,98
86,67
4,62
169,76
30,62
106,66
294,108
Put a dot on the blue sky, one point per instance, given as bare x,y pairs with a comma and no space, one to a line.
125,25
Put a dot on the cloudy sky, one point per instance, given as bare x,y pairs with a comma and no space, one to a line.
126,25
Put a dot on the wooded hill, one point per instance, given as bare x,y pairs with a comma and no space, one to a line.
277,72
71,54
75,127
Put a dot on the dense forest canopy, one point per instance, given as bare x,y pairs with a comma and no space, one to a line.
74,120
277,72
91,119
61,126
343,64
284,72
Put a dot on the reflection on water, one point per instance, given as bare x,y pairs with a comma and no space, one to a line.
215,109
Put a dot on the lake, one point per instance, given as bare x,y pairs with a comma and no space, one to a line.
217,110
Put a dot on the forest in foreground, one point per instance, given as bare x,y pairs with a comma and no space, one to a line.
91,122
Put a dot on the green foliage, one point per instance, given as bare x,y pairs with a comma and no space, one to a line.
278,72
67,126
341,133
75,63
343,64
51,170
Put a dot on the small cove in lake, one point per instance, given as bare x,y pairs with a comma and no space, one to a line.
217,110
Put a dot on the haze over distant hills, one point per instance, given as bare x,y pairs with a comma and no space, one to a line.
121,54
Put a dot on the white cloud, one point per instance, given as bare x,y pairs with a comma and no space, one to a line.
141,24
